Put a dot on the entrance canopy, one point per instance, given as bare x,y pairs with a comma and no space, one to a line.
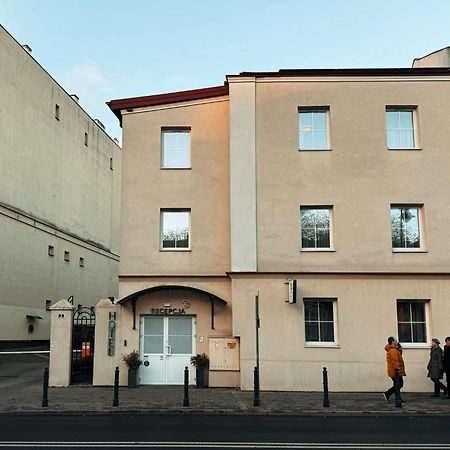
133,298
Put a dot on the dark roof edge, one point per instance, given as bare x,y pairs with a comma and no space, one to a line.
163,99
371,72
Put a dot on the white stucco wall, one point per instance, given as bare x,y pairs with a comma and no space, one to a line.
54,190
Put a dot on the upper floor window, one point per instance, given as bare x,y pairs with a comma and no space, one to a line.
400,128
56,111
320,326
406,230
315,227
313,125
175,148
175,229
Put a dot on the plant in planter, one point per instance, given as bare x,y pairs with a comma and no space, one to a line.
133,362
200,361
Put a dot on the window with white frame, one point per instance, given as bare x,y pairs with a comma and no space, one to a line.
313,129
400,128
406,229
315,224
175,148
175,229
412,321
320,326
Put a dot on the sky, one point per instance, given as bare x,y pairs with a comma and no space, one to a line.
110,49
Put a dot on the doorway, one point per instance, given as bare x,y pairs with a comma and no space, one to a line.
167,344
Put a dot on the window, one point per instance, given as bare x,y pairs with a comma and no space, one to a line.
175,149
81,262
57,112
48,303
86,139
175,229
400,128
405,223
66,256
51,250
319,320
111,164
412,324
315,227
313,125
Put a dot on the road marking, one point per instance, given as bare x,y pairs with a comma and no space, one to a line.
250,445
31,352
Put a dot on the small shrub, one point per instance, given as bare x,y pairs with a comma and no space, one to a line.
200,360
132,360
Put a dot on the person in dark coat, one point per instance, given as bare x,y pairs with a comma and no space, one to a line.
447,364
436,368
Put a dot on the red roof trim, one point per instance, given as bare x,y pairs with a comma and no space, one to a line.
163,99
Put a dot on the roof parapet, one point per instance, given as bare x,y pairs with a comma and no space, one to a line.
439,58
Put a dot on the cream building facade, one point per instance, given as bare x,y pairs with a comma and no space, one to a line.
337,179
59,199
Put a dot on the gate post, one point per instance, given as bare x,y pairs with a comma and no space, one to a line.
107,354
61,319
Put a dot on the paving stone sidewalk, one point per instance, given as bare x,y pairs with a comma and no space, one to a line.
21,392
169,399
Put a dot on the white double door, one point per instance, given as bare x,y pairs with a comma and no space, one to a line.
167,344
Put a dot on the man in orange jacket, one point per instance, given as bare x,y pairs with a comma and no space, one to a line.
395,363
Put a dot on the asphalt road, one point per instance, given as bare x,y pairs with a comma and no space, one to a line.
21,371
231,432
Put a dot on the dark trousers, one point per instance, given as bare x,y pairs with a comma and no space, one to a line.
391,390
438,386
447,379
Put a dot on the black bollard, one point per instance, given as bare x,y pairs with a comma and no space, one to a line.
326,398
45,389
116,387
256,401
398,400
186,387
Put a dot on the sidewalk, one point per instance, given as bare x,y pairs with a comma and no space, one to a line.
21,378
169,399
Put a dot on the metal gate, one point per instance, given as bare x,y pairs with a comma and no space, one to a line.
83,345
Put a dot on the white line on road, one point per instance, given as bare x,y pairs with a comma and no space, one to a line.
249,445
31,352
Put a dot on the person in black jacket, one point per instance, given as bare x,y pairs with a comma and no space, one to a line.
436,368
447,364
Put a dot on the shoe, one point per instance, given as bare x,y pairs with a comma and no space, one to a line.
386,397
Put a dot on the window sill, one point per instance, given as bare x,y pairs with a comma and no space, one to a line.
317,250
321,345
175,168
409,250
315,149
174,249
405,149
416,345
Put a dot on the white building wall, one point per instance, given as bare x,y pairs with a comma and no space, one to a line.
49,179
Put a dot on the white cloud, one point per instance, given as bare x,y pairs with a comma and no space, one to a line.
84,79
94,87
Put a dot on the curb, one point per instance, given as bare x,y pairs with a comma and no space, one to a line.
226,412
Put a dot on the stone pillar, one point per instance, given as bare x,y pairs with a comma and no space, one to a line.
61,320
106,353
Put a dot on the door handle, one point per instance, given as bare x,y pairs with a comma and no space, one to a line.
169,348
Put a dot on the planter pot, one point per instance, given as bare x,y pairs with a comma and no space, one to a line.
200,377
132,377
